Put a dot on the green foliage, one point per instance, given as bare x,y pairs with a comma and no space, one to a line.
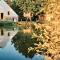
16,8
31,5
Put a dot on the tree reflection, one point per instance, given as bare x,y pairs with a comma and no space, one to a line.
22,42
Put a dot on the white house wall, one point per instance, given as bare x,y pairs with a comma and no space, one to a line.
4,8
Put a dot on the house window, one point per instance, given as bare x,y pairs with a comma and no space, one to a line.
8,13
1,15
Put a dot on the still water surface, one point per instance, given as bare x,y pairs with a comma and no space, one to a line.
16,48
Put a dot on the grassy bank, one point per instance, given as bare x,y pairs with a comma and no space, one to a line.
7,24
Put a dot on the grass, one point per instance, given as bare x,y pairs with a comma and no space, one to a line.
7,24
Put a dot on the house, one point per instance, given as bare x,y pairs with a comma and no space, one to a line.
6,12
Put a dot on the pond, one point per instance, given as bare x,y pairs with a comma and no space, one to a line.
14,45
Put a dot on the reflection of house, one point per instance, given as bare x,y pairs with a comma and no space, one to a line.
6,36
6,12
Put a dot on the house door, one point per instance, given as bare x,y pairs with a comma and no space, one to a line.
1,15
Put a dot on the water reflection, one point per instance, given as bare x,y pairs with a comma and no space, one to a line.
22,42
18,47
5,36
2,32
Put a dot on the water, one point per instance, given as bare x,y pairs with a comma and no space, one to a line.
14,46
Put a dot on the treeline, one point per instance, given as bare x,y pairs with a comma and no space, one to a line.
28,9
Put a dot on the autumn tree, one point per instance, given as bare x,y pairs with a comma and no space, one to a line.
30,7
